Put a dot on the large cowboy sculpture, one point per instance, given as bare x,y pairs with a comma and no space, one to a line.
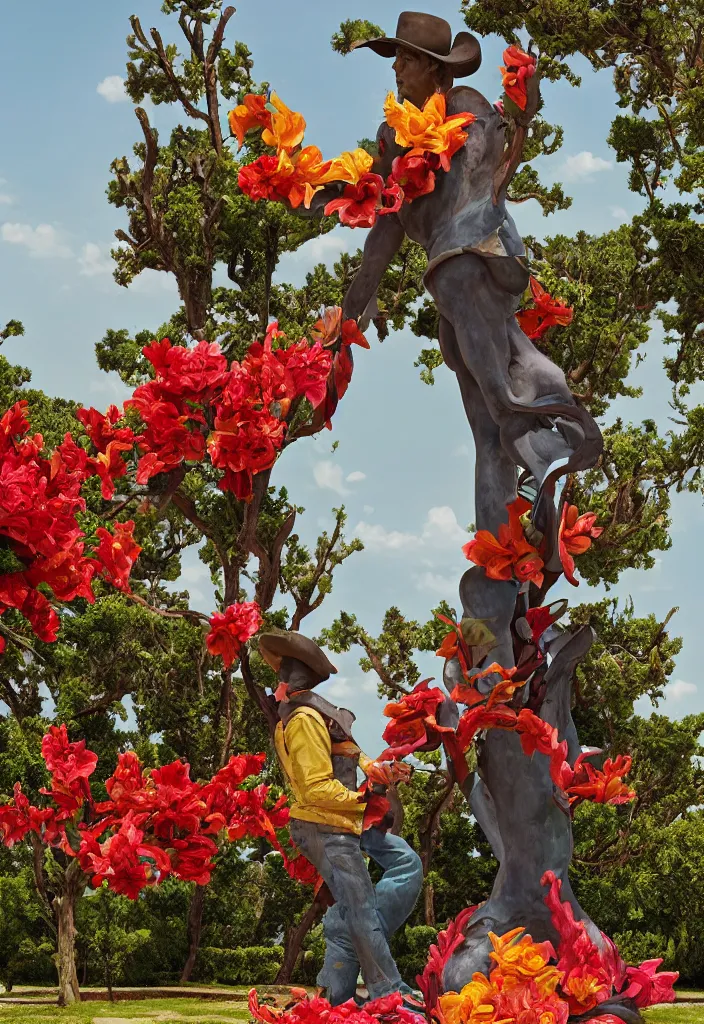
522,415
320,759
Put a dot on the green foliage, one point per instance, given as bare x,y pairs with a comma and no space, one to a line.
410,950
352,32
248,965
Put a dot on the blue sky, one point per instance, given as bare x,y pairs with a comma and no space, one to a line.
404,465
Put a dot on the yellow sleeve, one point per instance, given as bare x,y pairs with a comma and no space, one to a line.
364,761
308,745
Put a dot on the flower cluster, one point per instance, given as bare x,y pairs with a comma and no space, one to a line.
546,312
40,501
197,406
510,555
431,138
531,982
303,1010
156,823
230,629
575,536
518,68
296,172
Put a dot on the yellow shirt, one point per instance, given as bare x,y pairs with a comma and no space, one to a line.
304,749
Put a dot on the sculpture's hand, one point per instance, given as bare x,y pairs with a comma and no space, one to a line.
388,773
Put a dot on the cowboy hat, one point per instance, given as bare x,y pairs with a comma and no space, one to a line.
275,646
424,33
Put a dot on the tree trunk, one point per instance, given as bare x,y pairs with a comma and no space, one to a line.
64,908
429,903
195,928
294,941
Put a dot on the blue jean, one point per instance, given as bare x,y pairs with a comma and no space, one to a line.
363,918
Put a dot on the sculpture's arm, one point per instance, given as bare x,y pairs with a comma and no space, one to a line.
383,241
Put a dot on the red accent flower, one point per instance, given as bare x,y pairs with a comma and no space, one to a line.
430,982
510,555
519,67
647,986
231,628
359,204
546,312
575,537
414,726
415,173
117,553
604,786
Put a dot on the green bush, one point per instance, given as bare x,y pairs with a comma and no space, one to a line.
257,965
635,947
410,948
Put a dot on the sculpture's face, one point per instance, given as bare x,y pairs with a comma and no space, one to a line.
416,76
297,675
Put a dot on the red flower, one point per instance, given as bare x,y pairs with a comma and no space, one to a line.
540,736
510,555
101,427
263,180
67,761
601,787
430,982
68,574
414,724
110,466
229,630
479,718
575,537
647,986
519,67
301,870
591,974
117,553
415,173
547,312
359,204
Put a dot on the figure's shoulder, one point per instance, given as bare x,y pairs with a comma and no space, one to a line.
463,98
301,713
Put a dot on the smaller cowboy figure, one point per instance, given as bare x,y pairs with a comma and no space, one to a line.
320,759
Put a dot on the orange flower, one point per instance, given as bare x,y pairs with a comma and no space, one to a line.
331,326
473,1003
547,312
519,68
429,130
287,127
349,166
250,113
518,962
575,536
510,555
602,787
585,988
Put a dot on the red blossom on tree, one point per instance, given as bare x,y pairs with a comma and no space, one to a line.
231,628
546,312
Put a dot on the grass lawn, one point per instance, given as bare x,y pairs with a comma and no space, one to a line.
143,1011
676,1015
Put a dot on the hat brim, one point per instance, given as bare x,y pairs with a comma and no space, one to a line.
464,58
275,646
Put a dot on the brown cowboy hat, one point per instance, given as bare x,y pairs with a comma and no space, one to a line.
424,33
275,646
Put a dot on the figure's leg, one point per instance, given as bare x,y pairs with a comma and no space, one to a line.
542,428
494,470
338,858
340,970
494,487
400,885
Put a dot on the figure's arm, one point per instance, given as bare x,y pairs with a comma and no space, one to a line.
309,749
382,244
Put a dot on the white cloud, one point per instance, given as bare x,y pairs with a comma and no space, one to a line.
112,89
368,509
5,199
322,248
154,282
618,213
92,262
341,687
583,166
112,386
377,538
436,583
440,530
328,476
355,477
678,689
42,241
